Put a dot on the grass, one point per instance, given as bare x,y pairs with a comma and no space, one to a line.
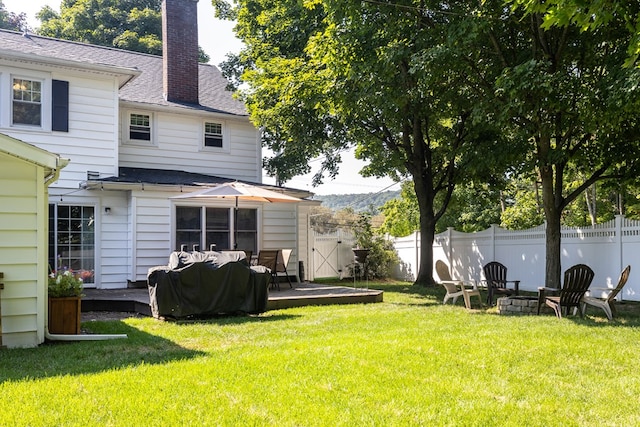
406,361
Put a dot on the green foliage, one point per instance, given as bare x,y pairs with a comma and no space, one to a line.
589,16
600,203
64,284
362,202
134,25
325,220
473,207
524,211
12,20
382,256
401,216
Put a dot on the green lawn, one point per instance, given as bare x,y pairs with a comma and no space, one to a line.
407,361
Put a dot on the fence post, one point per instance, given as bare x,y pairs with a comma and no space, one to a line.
619,219
449,247
493,242
311,243
416,236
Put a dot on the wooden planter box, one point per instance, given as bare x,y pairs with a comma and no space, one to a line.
64,315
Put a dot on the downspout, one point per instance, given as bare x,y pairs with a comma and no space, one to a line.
55,173
52,177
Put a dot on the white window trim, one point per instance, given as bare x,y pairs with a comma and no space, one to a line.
226,146
127,128
6,103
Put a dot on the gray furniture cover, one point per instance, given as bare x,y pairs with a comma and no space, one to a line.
201,284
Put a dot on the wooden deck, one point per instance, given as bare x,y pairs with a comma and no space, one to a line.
136,300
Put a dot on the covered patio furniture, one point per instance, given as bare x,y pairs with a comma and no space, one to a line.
576,282
607,304
495,274
204,284
457,287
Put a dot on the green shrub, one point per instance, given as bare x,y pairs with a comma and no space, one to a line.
382,256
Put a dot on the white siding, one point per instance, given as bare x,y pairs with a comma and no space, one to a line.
21,195
177,145
279,231
91,143
151,233
113,243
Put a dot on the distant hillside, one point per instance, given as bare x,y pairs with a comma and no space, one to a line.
358,202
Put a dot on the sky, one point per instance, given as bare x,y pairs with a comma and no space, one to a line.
217,39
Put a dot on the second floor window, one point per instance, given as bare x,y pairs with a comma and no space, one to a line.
140,127
213,135
27,102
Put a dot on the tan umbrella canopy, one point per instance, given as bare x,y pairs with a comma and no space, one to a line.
240,191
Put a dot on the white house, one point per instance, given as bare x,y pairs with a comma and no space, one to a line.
139,129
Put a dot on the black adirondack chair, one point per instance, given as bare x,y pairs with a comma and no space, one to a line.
496,275
576,283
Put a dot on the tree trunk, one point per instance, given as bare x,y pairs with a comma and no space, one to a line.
424,195
425,270
553,269
591,203
552,211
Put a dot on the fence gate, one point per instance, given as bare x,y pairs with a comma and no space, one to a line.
332,254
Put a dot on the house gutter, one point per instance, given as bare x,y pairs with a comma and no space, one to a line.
55,173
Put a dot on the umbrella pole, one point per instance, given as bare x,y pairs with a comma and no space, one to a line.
235,226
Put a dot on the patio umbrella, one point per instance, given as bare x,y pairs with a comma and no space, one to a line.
239,191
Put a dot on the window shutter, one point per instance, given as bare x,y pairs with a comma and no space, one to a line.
60,106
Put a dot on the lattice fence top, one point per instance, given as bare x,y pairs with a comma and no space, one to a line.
609,229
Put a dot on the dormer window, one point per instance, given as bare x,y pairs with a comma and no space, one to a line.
213,135
27,102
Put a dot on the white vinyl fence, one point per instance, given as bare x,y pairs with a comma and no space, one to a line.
606,248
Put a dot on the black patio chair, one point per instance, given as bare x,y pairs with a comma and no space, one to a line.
576,283
496,275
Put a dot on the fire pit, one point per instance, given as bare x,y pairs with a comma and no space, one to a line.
518,305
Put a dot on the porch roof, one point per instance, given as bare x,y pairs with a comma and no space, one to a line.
176,178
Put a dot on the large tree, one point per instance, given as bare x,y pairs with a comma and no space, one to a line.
590,16
134,25
326,75
12,20
567,94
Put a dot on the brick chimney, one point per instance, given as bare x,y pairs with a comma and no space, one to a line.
180,50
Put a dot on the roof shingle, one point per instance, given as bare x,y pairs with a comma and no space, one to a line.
145,89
